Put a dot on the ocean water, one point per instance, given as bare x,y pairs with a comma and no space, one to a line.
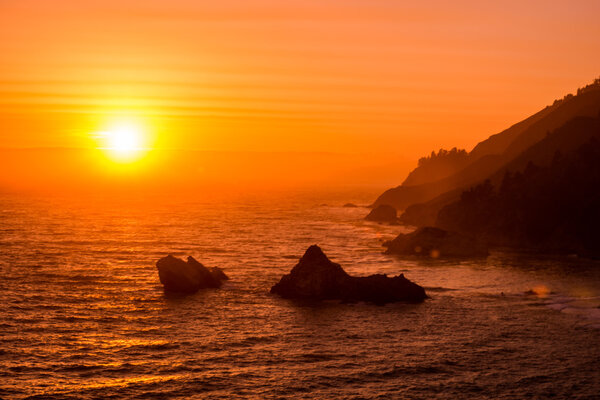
83,314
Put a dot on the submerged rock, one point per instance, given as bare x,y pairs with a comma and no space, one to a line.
383,213
177,275
435,243
316,277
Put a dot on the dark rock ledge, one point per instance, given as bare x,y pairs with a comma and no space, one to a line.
436,243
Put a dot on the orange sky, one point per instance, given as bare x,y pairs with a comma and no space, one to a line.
374,77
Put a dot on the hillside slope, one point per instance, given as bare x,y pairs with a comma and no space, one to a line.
498,150
550,204
564,140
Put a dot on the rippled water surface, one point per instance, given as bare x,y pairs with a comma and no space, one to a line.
83,315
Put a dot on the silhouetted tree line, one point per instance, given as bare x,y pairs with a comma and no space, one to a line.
588,88
437,166
449,156
554,208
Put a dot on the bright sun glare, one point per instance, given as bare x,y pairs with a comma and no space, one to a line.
124,141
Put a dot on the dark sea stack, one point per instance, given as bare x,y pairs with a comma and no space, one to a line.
315,277
383,213
177,275
435,242
350,205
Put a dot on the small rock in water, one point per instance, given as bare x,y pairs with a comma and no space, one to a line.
316,277
350,205
177,275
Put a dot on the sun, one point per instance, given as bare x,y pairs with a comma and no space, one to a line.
124,140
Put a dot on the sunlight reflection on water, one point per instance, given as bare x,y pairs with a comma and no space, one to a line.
83,313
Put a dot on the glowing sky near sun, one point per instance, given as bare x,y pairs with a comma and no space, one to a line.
368,76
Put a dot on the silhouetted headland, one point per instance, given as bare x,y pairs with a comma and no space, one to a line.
439,179
552,208
383,213
316,277
534,186
436,243
179,276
